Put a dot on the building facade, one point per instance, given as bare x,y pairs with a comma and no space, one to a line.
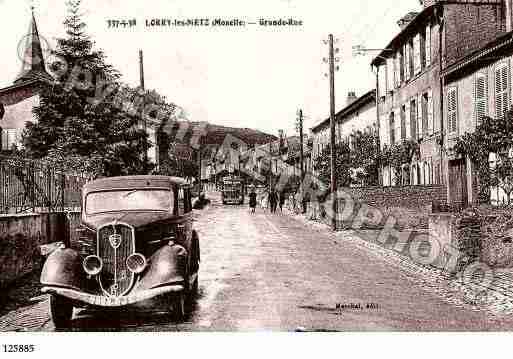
477,86
411,91
18,100
358,115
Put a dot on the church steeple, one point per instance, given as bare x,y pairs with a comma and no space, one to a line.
33,63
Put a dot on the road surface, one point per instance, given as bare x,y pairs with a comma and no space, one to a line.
275,272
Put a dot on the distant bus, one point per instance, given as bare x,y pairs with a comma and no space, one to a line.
232,190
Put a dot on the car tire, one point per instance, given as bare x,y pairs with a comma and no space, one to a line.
61,311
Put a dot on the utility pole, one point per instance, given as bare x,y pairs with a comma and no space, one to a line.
332,132
199,167
301,158
141,84
270,165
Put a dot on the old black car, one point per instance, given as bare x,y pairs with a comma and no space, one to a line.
136,244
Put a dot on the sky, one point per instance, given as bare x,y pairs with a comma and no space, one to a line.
253,76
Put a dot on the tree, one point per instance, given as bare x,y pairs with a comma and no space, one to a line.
364,155
492,135
504,172
343,165
82,118
398,155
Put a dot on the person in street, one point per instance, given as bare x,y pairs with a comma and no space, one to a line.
273,198
252,200
281,200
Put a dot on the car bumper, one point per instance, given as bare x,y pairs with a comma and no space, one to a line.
104,301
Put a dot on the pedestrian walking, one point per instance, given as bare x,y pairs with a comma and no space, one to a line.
281,200
252,200
273,199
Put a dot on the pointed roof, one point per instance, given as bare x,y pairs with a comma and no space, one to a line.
33,64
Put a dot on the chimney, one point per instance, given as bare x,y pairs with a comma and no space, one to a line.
405,20
509,15
351,97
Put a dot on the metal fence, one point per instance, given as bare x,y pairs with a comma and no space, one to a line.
34,186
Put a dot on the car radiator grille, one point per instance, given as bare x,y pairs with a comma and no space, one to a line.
115,277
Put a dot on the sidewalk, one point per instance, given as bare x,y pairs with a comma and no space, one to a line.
498,297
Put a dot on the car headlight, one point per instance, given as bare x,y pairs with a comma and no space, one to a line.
136,263
92,265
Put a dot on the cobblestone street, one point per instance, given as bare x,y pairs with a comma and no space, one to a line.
278,272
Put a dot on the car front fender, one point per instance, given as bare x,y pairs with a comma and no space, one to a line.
63,268
166,266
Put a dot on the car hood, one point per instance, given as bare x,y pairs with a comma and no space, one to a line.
136,219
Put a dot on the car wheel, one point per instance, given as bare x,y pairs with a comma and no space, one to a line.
61,311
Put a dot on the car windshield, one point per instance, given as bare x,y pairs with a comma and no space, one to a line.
129,200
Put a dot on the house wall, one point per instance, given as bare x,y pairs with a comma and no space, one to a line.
425,82
362,119
467,118
470,27
18,110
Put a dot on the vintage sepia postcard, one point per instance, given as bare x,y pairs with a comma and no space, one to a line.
241,166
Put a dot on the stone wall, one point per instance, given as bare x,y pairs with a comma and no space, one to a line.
410,206
496,245
413,197
455,232
20,238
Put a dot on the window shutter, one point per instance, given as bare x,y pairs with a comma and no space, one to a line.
480,97
396,71
407,132
416,53
390,74
406,61
403,122
452,110
428,45
391,128
419,116
501,90
382,81
430,108
413,118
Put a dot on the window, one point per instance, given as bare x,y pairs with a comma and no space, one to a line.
430,122
411,61
413,119
407,61
403,122
392,128
390,74
452,110
396,70
428,45
501,90
427,174
416,54
422,45
401,64
480,97
425,101
11,137
129,200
